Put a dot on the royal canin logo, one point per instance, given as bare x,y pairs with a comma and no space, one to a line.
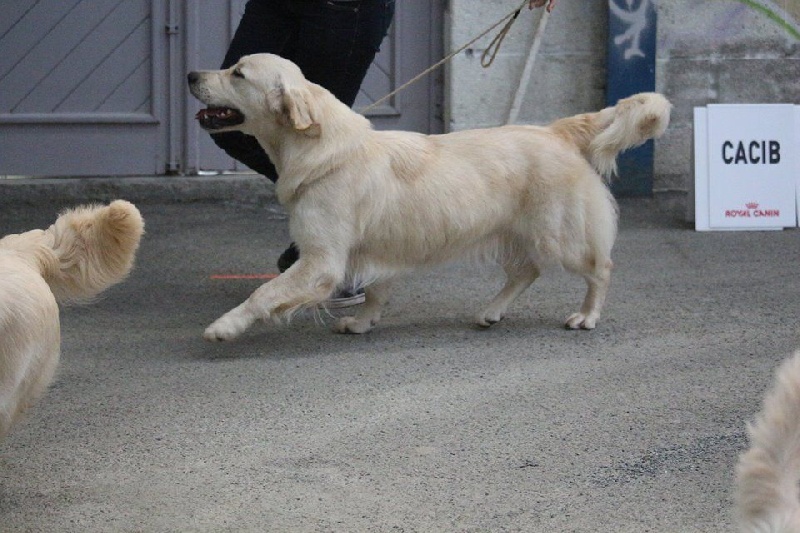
752,211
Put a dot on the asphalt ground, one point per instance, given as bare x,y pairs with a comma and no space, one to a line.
427,423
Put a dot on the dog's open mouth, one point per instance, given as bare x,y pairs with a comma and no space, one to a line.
215,118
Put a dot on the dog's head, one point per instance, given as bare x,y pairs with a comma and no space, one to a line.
261,90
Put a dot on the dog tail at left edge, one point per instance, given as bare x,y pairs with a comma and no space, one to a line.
767,474
95,247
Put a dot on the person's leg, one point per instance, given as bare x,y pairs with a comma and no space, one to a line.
339,40
265,27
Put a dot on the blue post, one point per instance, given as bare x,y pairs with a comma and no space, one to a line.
631,69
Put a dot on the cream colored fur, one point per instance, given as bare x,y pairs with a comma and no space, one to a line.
366,205
768,473
85,251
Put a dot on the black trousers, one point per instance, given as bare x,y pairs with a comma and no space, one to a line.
332,41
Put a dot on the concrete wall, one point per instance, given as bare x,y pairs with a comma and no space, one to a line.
709,51
720,52
568,76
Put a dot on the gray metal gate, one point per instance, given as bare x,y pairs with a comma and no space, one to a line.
96,87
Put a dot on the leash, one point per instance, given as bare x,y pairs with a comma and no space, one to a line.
487,58
525,78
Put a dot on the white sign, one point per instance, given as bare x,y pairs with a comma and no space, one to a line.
746,169
797,157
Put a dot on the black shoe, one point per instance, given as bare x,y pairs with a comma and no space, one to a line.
288,258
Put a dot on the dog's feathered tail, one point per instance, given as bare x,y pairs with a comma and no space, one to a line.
85,251
601,136
95,247
768,473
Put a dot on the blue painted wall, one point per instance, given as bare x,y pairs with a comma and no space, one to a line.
631,69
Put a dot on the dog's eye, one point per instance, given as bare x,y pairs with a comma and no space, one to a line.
238,74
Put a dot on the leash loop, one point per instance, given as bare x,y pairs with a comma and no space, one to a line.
497,41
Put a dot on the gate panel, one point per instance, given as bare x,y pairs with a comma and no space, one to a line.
210,27
413,44
78,80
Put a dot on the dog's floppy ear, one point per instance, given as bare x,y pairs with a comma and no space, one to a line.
295,107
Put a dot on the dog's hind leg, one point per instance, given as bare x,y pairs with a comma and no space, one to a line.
597,281
520,273
307,283
370,313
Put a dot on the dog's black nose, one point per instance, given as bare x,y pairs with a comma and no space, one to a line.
193,77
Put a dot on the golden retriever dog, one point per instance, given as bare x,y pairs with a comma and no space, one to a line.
366,206
87,250
767,474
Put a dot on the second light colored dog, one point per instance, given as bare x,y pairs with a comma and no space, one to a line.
84,252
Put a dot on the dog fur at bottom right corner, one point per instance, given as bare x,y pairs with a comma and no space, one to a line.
767,475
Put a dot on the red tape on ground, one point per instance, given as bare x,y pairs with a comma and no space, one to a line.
244,276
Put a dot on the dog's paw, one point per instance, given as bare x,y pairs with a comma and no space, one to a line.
581,321
487,320
223,329
350,324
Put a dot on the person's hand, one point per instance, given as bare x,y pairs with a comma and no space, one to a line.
539,3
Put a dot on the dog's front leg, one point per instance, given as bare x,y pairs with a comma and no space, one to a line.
231,324
309,282
375,296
